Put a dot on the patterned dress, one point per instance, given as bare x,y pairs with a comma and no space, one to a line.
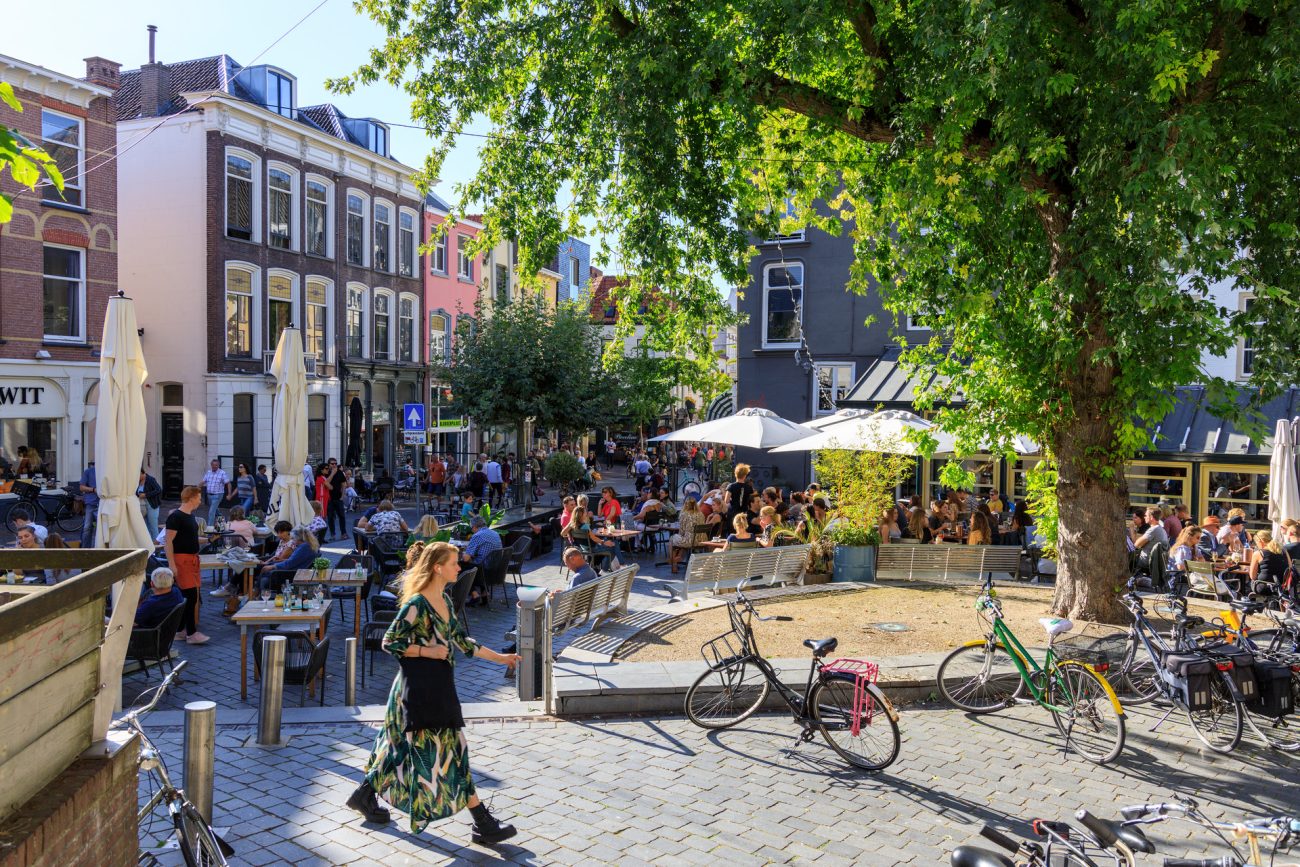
424,773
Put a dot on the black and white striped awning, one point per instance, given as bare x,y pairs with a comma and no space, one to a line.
721,406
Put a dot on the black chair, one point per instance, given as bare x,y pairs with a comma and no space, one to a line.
382,611
276,580
303,660
460,593
155,644
599,556
348,594
389,552
515,557
494,574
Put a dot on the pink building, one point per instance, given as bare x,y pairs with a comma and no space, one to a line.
450,290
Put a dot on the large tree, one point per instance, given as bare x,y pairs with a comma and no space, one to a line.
1053,184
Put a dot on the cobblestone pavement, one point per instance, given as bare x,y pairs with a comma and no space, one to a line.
635,791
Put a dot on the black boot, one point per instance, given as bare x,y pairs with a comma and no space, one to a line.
363,800
487,830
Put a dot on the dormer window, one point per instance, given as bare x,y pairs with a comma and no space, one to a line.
279,93
379,139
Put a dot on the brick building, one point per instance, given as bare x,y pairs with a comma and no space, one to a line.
244,212
58,265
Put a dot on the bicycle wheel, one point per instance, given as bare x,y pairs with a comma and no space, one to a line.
1136,681
875,746
722,697
1082,709
199,846
1218,726
17,510
67,520
979,678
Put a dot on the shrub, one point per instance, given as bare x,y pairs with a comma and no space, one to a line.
563,468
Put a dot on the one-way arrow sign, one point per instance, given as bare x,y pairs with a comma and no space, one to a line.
413,417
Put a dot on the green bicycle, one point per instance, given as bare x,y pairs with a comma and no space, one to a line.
991,673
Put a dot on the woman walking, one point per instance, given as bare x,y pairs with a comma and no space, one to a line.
420,762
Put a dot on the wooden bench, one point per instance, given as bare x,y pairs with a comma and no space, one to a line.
725,569
943,560
595,601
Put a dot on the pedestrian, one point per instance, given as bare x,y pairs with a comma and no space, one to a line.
420,761
492,471
437,480
216,486
308,478
182,550
150,494
321,491
262,483
245,487
335,517
90,499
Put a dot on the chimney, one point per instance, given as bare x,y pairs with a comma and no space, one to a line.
104,72
153,31
155,83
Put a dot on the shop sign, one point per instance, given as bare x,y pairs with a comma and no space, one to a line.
31,399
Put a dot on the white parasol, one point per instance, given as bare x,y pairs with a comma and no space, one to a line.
289,500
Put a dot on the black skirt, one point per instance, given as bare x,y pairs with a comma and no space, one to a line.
430,701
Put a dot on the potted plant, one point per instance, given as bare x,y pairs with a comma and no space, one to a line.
563,468
855,549
320,565
861,487
812,532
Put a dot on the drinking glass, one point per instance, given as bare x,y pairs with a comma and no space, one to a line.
266,597
320,594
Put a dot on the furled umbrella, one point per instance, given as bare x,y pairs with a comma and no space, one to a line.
752,427
120,432
1283,487
289,428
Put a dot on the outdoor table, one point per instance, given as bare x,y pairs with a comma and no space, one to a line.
264,614
336,578
621,538
213,562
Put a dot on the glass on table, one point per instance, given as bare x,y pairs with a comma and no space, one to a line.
266,597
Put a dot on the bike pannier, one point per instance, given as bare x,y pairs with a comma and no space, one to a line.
1275,698
1192,674
1243,672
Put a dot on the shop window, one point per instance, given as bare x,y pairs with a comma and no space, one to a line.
1150,482
984,468
1228,487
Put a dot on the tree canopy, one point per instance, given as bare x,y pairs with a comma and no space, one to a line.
1053,187
25,161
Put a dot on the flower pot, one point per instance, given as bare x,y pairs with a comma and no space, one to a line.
816,578
855,563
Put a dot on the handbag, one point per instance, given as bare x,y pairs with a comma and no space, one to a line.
429,699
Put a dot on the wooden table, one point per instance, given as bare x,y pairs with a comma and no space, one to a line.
258,613
212,562
336,578
619,537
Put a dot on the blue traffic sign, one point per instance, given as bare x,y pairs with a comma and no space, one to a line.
413,417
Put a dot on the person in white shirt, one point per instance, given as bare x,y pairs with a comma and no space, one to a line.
309,479
21,521
492,469
610,448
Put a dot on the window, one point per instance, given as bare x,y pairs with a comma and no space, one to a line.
575,268
279,93
793,237
464,261
501,283
438,343
1151,481
239,197
406,243
1246,349
356,229
318,218
438,258
315,332
356,321
406,329
1225,487
833,382
916,323
239,313
383,229
317,404
279,307
378,139
62,138
65,293
279,208
382,314
782,304
173,394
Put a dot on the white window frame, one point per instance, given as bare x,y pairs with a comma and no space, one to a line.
365,228
1244,300
327,356
464,259
766,290
295,218
415,243
366,313
295,301
575,266
329,216
438,254
392,231
49,192
256,204
80,336
391,349
254,308
443,351
413,327
909,324
847,386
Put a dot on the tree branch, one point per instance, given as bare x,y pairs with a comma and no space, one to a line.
777,91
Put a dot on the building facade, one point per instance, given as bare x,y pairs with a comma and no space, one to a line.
243,213
58,266
573,264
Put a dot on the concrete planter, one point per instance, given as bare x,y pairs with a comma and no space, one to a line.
855,563
816,577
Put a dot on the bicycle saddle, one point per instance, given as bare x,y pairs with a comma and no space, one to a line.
970,856
822,647
1246,606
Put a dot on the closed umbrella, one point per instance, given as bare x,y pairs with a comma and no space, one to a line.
752,427
289,429
120,432
1283,489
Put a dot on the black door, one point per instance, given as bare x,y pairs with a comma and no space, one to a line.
173,453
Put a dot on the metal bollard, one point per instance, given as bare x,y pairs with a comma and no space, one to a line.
529,634
272,703
200,747
349,671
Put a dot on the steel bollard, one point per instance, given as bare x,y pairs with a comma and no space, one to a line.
529,632
349,671
200,748
269,711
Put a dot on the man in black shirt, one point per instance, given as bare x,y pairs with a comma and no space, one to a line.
182,548
739,493
337,481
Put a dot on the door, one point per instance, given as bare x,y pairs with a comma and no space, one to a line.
173,453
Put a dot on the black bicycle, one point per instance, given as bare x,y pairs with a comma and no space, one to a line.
841,700
30,507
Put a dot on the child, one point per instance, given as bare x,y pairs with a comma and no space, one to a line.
349,493
467,508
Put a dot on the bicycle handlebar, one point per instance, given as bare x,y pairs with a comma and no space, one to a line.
993,835
1225,861
1100,830
157,696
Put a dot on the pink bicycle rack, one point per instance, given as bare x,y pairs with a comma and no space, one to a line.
864,673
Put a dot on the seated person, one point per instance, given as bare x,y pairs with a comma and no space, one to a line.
305,550
1208,542
768,525
284,533
159,598
690,519
241,527
580,571
666,505
741,538
481,544
317,524
21,520
27,539
645,506
386,519
427,529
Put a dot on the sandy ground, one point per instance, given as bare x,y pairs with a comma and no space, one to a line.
938,618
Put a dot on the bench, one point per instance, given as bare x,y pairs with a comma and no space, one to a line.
725,569
596,601
925,561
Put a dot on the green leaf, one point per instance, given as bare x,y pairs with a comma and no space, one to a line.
7,96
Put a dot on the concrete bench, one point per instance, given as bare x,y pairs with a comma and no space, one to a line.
943,560
725,569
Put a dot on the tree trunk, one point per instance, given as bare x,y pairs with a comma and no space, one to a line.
1092,565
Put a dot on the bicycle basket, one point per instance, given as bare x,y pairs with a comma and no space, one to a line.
1094,647
722,651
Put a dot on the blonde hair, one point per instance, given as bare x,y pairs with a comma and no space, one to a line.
742,472
428,527
741,523
419,571
767,512
1236,513
1264,540
917,522
690,505
980,532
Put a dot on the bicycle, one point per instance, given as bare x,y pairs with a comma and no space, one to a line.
990,673
199,845
840,700
1284,831
29,506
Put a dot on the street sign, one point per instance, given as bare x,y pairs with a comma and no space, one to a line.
413,417
415,438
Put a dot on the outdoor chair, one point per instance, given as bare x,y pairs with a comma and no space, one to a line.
348,594
599,556
1202,582
460,593
389,553
382,611
1150,574
515,557
275,581
303,660
494,574
155,644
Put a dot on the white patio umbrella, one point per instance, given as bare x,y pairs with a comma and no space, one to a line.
885,431
752,427
120,431
825,421
289,429
1283,487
